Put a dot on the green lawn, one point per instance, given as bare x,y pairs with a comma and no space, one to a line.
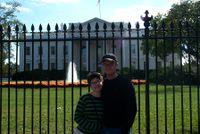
76,93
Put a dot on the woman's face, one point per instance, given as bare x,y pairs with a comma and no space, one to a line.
96,84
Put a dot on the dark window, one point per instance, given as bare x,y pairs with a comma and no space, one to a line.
53,50
39,65
53,66
27,50
27,67
40,50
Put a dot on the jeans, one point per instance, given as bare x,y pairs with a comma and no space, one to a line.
76,131
107,130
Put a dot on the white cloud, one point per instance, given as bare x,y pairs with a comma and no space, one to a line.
133,13
54,1
5,5
21,9
173,1
24,9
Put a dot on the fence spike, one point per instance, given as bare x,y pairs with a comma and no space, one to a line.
129,25
80,27
40,27
17,28
197,25
72,27
65,27
48,27
24,28
172,26
180,24
9,29
113,25
163,25
96,26
104,26
121,26
155,25
137,25
88,27
1,28
187,24
32,28
56,27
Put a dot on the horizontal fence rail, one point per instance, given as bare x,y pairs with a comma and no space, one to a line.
43,73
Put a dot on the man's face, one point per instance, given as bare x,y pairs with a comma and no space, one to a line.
109,67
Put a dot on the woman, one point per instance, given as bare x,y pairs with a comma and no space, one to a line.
89,110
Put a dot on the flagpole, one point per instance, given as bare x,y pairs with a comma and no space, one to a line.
99,8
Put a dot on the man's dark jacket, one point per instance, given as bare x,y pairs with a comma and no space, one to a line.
120,103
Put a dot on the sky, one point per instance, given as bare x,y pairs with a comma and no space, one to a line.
73,11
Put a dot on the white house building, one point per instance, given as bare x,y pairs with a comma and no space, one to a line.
48,51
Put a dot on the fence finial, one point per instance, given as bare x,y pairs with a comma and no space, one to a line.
1,28
80,27
88,27
146,19
48,27
104,26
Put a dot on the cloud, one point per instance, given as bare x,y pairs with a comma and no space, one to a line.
21,9
24,9
133,13
53,1
173,1
5,5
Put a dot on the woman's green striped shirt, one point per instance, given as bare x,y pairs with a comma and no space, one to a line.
89,114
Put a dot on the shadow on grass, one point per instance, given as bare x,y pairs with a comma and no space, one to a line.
186,131
169,89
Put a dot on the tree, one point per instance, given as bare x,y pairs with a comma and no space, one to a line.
181,20
8,22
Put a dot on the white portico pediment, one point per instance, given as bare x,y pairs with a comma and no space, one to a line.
93,23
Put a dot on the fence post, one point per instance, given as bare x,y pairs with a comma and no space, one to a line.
146,20
1,71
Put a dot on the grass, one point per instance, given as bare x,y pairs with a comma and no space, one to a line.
41,96
174,118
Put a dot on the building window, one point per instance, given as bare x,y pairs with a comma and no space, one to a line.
133,48
133,64
39,65
53,50
159,64
27,50
66,66
99,45
53,66
65,48
83,46
171,64
27,67
40,50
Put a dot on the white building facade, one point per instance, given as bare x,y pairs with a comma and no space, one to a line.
53,51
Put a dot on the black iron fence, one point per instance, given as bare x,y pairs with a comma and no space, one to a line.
42,73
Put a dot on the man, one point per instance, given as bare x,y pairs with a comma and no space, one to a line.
119,99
